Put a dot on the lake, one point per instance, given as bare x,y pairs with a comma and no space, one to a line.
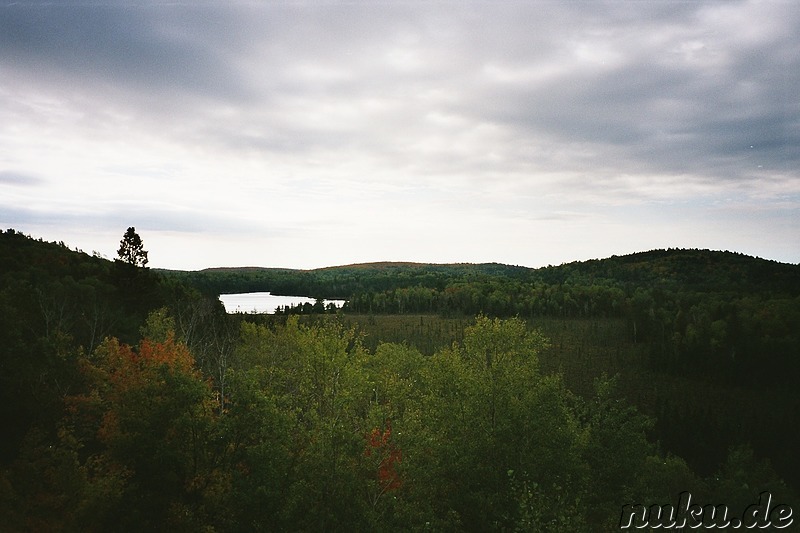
265,302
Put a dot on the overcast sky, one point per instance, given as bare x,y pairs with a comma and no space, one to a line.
318,133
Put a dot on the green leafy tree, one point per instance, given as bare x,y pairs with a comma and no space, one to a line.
488,412
309,381
131,249
616,451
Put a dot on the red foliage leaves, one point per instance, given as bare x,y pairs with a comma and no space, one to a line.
379,443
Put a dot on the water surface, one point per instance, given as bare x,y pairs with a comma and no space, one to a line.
265,302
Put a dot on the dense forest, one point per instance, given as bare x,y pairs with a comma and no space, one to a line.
441,397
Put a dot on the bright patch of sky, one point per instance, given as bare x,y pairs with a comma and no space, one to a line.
313,134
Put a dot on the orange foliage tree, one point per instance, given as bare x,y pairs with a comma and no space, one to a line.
146,419
380,447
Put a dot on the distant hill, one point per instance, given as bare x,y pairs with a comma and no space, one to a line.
684,268
669,269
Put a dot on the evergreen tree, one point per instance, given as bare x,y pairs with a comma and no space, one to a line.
131,250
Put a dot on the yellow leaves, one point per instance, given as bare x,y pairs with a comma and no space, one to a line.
492,342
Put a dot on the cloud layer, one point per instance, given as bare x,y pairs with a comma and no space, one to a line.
310,134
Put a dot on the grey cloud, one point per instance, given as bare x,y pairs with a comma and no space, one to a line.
669,115
151,48
21,179
677,95
13,215
145,216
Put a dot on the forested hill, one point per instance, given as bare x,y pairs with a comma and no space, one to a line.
685,269
342,281
674,269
